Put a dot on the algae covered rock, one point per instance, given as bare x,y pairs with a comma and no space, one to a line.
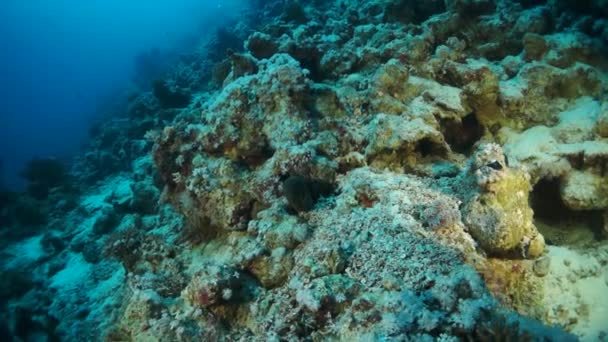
398,141
272,270
498,215
585,190
213,285
392,77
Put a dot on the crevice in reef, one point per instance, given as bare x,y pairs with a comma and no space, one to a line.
560,225
309,59
257,158
427,147
415,12
462,136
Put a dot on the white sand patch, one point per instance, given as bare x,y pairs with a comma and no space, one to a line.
113,188
78,274
107,293
75,273
25,252
92,203
94,290
577,291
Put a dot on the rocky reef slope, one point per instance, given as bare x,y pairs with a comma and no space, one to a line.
348,170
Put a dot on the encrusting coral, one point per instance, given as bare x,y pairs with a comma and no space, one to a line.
499,216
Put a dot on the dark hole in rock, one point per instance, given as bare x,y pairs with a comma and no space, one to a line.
426,147
247,290
559,224
462,136
258,157
495,165
302,193
310,59
83,313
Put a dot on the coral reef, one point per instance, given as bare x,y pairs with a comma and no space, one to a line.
340,170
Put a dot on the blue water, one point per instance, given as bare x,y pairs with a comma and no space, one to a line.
64,62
